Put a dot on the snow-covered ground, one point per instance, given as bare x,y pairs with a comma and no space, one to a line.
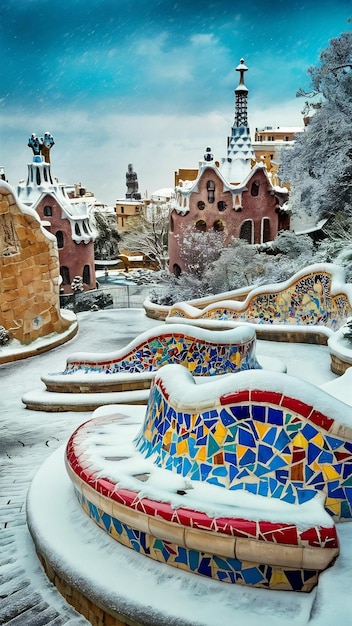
28,438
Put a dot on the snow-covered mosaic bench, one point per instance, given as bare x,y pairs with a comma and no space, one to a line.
203,352
309,307
239,479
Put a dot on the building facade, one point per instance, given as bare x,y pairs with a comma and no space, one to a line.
67,219
236,197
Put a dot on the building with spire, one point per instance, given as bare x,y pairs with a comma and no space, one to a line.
237,197
67,219
240,155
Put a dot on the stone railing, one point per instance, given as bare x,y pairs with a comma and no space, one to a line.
308,307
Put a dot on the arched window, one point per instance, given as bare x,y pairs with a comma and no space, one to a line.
246,231
65,273
218,225
77,229
201,225
48,211
266,230
86,274
172,225
222,206
211,191
201,205
177,270
255,189
60,239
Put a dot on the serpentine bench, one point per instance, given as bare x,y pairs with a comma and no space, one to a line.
308,307
239,479
91,380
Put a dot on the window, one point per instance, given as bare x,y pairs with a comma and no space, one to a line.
86,274
172,225
246,231
265,230
137,209
218,225
122,209
211,191
48,211
77,230
255,189
65,273
201,225
177,270
201,205
222,206
60,239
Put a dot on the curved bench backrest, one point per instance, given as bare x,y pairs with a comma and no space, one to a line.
203,352
315,296
249,432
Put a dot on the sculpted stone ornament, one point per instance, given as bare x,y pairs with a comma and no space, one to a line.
47,144
132,183
41,146
34,143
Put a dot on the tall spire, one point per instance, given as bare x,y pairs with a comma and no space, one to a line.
241,93
237,163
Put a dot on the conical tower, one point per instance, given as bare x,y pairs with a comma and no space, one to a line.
237,164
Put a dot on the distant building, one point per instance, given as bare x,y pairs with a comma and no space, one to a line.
67,218
130,206
269,143
237,197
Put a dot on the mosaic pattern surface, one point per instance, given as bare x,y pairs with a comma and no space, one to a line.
307,301
223,569
201,357
103,499
264,442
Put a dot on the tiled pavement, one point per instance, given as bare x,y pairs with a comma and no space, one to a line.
26,596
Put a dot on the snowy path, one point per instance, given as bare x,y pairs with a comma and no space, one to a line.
29,437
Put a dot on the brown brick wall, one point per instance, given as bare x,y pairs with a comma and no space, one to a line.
29,274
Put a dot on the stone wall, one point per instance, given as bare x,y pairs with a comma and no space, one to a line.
29,273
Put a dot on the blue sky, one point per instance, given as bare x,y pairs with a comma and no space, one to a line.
151,83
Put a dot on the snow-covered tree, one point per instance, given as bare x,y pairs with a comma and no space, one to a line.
200,249
148,234
319,166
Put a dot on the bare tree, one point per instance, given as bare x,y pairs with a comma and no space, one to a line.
148,234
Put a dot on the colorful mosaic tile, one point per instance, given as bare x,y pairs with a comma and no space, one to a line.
223,569
263,442
309,300
202,357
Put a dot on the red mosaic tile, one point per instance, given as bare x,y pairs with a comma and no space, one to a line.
342,456
321,420
296,405
237,527
124,496
105,487
268,397
194,519
235,398
328,537
311,536
298,454
284,534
